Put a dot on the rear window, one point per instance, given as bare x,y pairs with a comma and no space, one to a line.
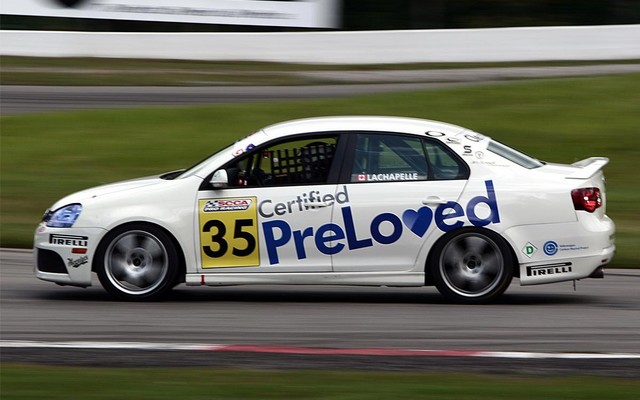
514,155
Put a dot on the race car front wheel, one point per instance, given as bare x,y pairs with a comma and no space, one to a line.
472,266
137,262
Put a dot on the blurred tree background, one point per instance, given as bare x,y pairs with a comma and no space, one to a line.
447,14
392,14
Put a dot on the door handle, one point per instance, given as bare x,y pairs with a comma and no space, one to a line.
433,201
320,204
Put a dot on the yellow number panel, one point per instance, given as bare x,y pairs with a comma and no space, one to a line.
229,232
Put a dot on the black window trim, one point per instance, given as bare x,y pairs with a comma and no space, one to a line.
351,142
467,171
340,172
334,171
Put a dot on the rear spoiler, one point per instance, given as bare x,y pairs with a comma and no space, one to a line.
588,167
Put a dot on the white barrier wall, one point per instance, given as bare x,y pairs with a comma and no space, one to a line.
368,47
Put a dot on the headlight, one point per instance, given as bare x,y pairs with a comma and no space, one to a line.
63,217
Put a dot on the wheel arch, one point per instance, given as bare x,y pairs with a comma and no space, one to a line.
182,268
447,236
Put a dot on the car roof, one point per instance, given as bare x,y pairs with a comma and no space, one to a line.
361,123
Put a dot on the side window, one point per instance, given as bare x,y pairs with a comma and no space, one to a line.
388,158
444,165
293,162
394,157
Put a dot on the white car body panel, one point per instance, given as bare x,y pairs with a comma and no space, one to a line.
287,259
364,252
530,208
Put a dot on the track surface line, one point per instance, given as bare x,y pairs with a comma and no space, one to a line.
278,349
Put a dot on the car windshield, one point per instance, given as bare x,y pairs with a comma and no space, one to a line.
203,168
514,155
193,170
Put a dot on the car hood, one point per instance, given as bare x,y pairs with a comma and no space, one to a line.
108,189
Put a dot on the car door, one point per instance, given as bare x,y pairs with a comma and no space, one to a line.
395,184
279,197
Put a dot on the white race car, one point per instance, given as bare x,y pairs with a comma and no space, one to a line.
376,201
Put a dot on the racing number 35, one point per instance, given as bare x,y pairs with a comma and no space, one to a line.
229,232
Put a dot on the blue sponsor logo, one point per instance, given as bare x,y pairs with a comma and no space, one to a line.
332,238
550,248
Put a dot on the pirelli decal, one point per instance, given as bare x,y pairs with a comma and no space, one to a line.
549,269
69,240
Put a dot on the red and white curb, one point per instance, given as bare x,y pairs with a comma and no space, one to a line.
277,349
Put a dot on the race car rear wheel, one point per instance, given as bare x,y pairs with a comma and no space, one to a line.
137,262
472,266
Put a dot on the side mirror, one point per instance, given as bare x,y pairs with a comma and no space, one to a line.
220,179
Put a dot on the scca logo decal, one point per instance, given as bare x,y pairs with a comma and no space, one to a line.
332,238
227,205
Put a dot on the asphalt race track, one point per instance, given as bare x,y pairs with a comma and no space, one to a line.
33,99
600,318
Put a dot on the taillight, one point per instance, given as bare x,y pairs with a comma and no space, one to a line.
587,199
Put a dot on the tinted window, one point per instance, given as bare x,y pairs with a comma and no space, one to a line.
294,162
443,163
394,157
514,155
380,157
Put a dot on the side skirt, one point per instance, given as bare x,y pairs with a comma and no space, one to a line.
309,278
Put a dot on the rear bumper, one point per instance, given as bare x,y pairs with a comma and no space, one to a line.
565,269
562,252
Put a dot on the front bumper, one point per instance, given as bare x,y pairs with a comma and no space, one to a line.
65,255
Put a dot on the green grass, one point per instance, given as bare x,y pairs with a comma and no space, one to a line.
46,156
141,64
123,72
39,382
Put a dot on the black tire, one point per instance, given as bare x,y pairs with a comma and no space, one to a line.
472,266
137,262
